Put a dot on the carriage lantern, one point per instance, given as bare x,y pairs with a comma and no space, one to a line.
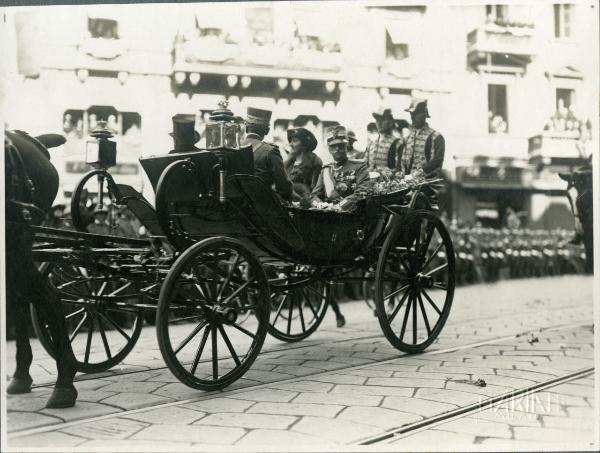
223,129
101,153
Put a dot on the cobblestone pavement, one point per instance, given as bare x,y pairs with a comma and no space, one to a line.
349,386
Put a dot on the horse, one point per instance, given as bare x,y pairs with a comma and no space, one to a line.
31,183
580,196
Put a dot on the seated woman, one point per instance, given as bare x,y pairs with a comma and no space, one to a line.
340,181
303,165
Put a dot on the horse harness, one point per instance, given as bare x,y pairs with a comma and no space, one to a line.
20,190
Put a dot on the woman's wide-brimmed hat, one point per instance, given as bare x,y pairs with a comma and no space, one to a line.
305,136
183,129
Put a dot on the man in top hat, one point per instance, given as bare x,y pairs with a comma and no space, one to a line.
354,153
184,135
340,179
424,147
381,152
268,163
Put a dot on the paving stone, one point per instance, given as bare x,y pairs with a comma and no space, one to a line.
132,387
170,415
305,386
407,382
135,445
449,396
369,372
523,374
81,410
265,439
322,410
506,414
267,376
110,428
177,391
380,417
574,390
220,405
417,406
575,423
251,421
340,379
434,440
204,435
344,399
580,412
489,390
18,421
266,394
373,390
504,381
129,401
426,375
553,435
477,427
458,369
564,400
25,403
376,355
325,365
336,430
45,440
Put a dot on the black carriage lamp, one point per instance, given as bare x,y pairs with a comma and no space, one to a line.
101,152
223,129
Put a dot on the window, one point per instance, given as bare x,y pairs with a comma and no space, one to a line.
395,50
103,28
497,109
563,14
496,13
565,99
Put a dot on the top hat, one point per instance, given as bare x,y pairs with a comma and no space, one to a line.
259,117
418,106
383,112
336,134
351,135
183,129
304,135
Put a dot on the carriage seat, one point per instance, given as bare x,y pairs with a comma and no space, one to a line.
141,208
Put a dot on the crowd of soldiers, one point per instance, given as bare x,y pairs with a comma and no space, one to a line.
491,254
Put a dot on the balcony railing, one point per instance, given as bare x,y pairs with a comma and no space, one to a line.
557,145
492,39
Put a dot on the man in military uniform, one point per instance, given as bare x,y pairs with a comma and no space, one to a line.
340,179
424,147
354,153
381,152
184,135
268,163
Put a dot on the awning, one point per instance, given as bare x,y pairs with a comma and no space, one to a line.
566,72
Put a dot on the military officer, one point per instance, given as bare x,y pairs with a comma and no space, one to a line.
424,147
381,152
339,180
268,163
184,135
354,153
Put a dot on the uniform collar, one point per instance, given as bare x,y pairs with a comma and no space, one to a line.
425,126
253,135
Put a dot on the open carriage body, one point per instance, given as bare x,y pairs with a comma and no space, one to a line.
224,249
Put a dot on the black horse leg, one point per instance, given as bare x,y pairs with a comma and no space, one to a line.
339,318
21,380
47,303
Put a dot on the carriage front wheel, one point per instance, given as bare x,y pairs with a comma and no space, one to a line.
414,281
200,308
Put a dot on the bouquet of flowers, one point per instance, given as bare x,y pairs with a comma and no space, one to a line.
389,182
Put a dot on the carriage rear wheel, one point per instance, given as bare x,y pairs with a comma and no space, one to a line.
418,258
210,288
298,303
102,321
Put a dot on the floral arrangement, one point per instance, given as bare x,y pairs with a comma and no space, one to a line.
389,182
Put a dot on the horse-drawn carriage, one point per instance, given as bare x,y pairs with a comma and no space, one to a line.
222,248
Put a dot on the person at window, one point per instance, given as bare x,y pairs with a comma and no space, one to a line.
303,165
184,135
339,180
424,147
381,152
354,153
268,163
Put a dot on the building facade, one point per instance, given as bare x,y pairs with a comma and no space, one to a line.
511,87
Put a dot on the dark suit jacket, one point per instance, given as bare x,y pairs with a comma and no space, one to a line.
268,165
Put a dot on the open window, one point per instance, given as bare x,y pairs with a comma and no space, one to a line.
497,109
103,28
396,46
